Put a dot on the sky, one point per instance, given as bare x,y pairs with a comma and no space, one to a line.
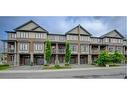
96,25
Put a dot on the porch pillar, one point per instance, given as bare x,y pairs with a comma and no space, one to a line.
89,59
56,59
106,48
90,49
15,54
98,49
31,59
17,60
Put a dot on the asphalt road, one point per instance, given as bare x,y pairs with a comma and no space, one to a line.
89,73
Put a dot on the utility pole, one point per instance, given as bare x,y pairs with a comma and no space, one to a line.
79,44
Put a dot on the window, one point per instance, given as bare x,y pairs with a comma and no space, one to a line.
23,46
84,38
38,46
111,49
106,40
72,37
84,48
119,49
74,48
24,35
12,35
38,35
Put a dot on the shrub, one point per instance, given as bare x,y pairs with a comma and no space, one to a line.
57,66
117,57
67,64
46,65
103,59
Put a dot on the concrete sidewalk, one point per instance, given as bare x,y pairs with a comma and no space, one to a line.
40,67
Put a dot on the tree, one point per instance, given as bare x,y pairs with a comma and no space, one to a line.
103,58
117,57
47,51
67,53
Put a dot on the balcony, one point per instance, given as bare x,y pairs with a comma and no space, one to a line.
57,38
61,51
96,41
95,51
8,50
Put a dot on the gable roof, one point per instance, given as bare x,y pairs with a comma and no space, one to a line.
113,34
30,26
82,31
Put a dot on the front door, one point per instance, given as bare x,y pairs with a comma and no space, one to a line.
25,60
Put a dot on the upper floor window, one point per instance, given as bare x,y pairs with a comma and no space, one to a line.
24,35
74,48
38,46
72,37
84,38
84,48
12,35
38,35
23,46
115,40
106,40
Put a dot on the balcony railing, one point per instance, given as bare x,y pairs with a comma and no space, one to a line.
57,38
95,51
61,51
7,50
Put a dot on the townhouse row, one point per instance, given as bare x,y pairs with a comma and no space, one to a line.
25,45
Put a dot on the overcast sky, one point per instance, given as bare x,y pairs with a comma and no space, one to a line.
96,25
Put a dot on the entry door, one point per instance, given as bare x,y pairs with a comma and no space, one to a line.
27,61
40,61
73,60
83,60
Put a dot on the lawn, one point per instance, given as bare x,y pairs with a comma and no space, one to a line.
4,66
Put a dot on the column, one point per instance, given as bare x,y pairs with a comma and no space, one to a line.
17,59
56,59
15,54
98,48
90,49
31,59
106,48
15,63
89,59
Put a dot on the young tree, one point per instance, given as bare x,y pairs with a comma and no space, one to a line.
47,51
68,53
103,58
117,57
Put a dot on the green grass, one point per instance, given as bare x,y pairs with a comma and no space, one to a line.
55,67
4,66
110,65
